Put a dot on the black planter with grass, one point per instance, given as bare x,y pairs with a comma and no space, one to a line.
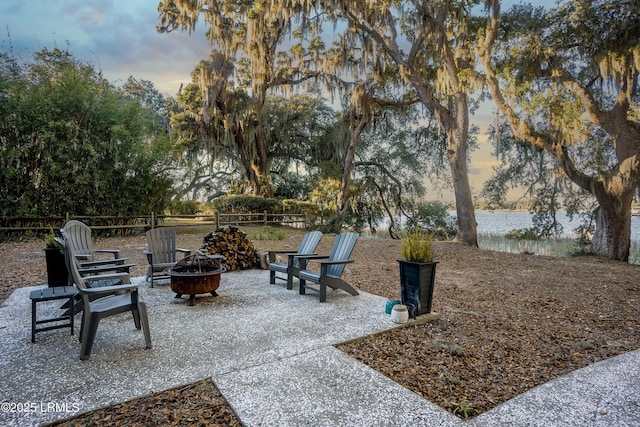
417,273
417,281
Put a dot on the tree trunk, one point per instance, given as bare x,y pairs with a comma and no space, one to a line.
348,168
262,163
457,128
612,238
457,155
255,167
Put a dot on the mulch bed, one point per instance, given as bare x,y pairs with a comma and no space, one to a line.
197,404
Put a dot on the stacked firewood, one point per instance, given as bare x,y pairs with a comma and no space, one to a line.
230,242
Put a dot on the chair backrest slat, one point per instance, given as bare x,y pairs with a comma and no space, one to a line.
78,235
71,261
341,251
162,243
308,245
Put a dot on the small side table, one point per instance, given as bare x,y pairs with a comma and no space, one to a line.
51,294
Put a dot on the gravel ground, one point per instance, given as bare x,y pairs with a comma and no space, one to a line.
509,322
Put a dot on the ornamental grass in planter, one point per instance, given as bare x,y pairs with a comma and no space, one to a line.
417,247
417,272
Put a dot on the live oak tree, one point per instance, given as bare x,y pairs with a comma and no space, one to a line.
246,39
567,82
390,164
296,128
432,45
364,108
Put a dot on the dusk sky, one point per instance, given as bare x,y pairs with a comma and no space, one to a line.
120,38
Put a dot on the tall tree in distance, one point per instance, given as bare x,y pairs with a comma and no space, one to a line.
567,82
431,45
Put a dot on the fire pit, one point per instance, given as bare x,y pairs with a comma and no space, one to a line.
196,274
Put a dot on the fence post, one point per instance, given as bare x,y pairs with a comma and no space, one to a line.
153,219
265,217
217,219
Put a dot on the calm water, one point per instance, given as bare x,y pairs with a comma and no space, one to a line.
499,223
493,225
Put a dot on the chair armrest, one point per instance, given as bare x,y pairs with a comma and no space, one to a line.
346,261
294,256
103,262
102,268
282,251
311,256
324,265
108,290
81,257
120,276
271,255
115,252
185,252
303,259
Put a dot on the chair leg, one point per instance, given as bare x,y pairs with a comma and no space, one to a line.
33,320
136,316
323,292
142,309
272,277
289,281
88,335
81,334
303,291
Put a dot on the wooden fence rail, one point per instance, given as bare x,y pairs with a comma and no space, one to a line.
39,224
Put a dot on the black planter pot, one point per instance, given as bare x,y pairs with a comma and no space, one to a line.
57,274
416,286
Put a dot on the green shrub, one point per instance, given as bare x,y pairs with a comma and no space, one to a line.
186,207
300,207
583,242
246,204
522,234
268,232
50,239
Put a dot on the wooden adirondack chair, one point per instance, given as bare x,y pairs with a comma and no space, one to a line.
104,301
78,235
91,269
331,268
162,252
292,267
